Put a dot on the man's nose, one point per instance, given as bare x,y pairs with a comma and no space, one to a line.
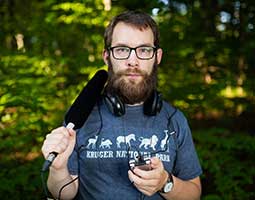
132,60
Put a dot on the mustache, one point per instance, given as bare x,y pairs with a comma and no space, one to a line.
133,71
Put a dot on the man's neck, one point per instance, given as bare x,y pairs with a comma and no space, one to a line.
135,104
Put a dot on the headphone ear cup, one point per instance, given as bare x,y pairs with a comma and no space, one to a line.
114,104
153,104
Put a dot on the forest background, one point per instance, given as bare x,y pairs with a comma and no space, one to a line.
49,50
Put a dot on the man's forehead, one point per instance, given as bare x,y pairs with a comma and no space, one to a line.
126,33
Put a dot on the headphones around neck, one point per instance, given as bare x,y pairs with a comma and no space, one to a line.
151,106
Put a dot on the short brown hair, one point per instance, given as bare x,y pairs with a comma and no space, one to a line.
137,19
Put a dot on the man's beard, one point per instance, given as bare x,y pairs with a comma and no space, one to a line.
129,91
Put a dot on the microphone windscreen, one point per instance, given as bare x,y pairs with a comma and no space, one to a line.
84,103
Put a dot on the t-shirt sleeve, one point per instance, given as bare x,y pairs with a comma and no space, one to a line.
187,164
73,162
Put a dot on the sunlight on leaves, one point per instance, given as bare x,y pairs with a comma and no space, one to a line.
232,92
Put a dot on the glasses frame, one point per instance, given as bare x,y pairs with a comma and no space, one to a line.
131,49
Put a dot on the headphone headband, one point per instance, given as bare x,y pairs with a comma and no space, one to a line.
151,107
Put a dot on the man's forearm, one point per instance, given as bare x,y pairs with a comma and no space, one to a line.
184,190
57,179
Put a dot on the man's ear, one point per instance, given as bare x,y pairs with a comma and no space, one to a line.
159,53
106,56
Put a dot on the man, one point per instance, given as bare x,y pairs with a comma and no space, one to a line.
133,145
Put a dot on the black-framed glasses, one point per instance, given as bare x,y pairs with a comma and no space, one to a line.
142,52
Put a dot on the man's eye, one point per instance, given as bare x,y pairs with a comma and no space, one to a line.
146,50
122,49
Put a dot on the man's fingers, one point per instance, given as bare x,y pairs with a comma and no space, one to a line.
71,132
141,181
58,140
151,174
147,187
156,162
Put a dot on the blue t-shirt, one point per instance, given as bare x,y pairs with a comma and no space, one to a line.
106,143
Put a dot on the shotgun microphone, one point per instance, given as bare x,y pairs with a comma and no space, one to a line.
81,108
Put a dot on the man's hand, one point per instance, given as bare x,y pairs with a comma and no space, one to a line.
62,141
149,182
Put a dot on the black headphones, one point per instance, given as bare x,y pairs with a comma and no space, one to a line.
151,107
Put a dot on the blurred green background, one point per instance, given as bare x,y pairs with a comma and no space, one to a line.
49,49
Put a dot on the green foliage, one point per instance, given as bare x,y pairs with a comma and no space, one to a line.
21,180
227,162
49,49
202,61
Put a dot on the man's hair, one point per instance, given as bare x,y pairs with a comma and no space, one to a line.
138,19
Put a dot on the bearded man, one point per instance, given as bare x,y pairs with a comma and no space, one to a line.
160,162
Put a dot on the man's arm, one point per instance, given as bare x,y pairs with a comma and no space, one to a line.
57,179
60,140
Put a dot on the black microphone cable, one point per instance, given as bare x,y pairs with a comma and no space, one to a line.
59,193
45,190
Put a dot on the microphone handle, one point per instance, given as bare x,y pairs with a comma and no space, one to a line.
52,155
